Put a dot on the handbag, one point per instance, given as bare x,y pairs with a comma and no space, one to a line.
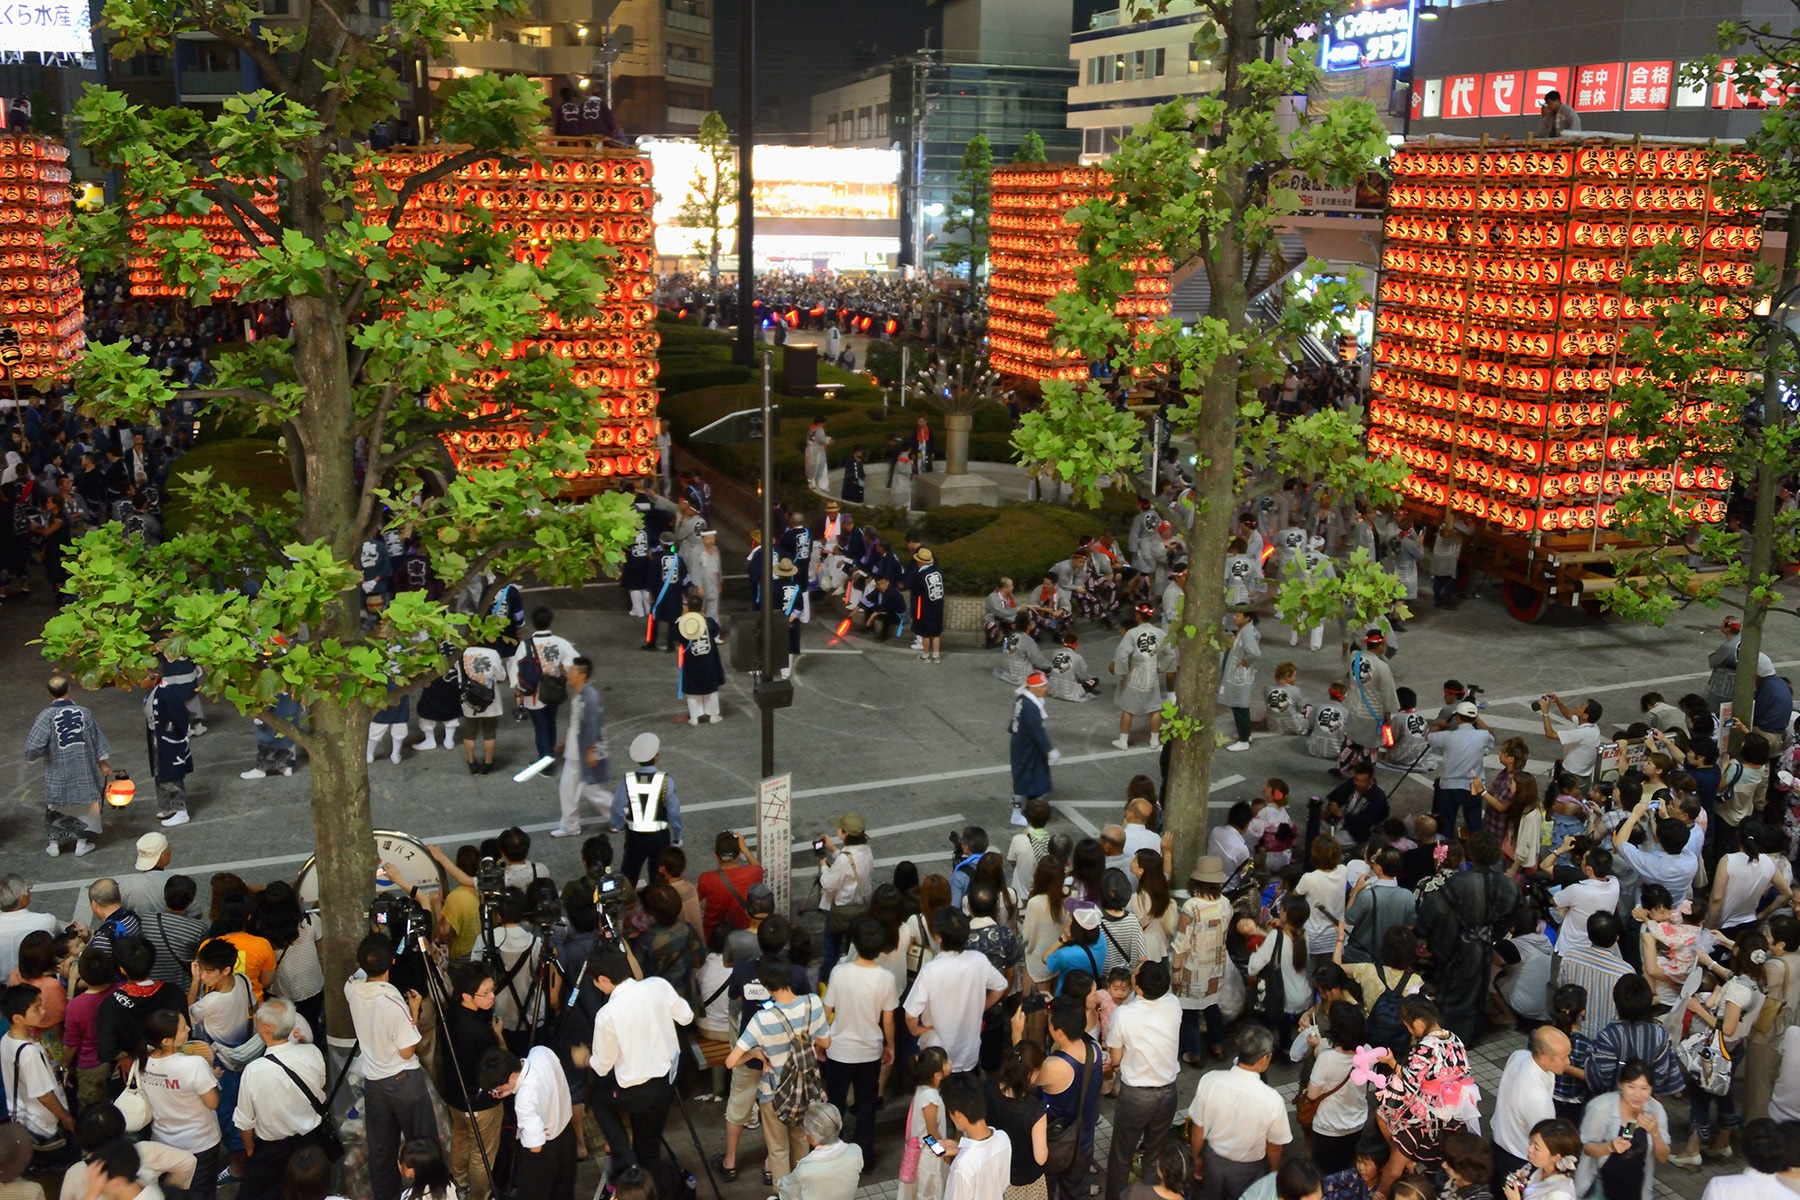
329,1142
1705,1057
1307,1107
1065,1136
131,1102
551,689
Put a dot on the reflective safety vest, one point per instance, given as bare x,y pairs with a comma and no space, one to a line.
644,796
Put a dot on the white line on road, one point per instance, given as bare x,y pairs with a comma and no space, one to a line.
1628,685
876,785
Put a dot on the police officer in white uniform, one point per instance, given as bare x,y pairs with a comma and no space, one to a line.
645,807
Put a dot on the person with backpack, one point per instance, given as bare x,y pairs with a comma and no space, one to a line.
540,678
1030,845
1383,985
480,671
784,1034
1280,965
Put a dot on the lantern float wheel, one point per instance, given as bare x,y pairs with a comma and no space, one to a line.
1525,603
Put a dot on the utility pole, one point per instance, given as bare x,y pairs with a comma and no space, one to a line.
769,656
745,351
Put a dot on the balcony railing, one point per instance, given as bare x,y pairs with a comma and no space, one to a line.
211,83
686,116
677,18
681,68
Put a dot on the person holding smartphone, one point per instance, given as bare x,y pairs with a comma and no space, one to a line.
1624,1135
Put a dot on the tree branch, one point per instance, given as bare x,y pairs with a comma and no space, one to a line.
448,167
377,461
229,193
432,433
286,729
234,216
478,566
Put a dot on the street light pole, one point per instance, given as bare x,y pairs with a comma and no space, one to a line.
769,657
744,353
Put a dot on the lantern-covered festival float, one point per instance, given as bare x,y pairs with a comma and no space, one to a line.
1501,323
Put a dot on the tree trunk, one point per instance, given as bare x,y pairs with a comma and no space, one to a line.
1768,503
343,830
1215,493
344,841
956,442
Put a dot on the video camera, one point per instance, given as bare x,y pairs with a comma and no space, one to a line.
401,918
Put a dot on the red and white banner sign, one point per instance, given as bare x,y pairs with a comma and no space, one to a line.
1591,88
1503,94
1648,86
1462,97
1597,87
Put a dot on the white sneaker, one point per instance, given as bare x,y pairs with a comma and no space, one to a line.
1238,747
428,744
287,770
253,773
54,849
565,833
786,673
180,818
196,730
83,847
1123,741
1018,813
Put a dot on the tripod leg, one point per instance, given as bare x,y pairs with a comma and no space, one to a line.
705,1162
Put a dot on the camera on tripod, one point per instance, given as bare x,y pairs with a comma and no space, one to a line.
399,917
490,880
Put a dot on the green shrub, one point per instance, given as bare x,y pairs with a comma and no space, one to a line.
1025,541
957,522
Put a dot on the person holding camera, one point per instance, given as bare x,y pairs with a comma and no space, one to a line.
1580,743
396,1102
846,881
1464,746
545,1170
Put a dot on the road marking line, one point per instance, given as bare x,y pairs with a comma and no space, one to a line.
1082,823
1627,686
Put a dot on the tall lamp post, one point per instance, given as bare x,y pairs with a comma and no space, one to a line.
744,353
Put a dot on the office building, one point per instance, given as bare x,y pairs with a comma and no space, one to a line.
1127,68
1003,71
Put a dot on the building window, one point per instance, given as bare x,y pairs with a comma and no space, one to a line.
143,66
1156,60
1090,140
1120,63
847,119
831,128
881,120
1196,64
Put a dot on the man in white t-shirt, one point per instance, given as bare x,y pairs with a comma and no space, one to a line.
951,992
396,1102
860,1000
1227,843
981,1166
37,1101
220,1001
1597,892
17,920
1581,742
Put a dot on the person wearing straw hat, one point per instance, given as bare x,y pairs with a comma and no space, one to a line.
645,807
790,594
1032,753
702,674
928,606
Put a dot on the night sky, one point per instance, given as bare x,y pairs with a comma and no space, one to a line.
802,45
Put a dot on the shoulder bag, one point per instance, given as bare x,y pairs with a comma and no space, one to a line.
1065,1136
843,916
329,1141
131,1102
1307,1107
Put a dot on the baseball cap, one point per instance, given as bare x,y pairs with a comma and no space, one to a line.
759,901
150,850
852,824
1467,709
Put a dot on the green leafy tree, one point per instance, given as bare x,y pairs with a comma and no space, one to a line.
713,190
1200,180
386,339
1712,396
1031,148
971,210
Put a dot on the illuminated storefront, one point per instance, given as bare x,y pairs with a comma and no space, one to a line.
818,208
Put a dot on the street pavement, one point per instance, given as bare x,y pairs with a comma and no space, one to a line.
918,749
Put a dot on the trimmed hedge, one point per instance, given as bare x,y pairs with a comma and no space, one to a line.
1022,542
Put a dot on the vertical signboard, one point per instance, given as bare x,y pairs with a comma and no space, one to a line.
774,837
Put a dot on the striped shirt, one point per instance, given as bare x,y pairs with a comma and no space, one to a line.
1597,971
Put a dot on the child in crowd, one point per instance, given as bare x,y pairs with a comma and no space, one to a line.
1272,832
1469,1162
1672,947
1550,1161
931,1066
1118,993
1568,1012
1330,722
1287,712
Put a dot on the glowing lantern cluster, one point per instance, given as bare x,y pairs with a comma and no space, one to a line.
40,295
1035,257
571,192
1501,328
